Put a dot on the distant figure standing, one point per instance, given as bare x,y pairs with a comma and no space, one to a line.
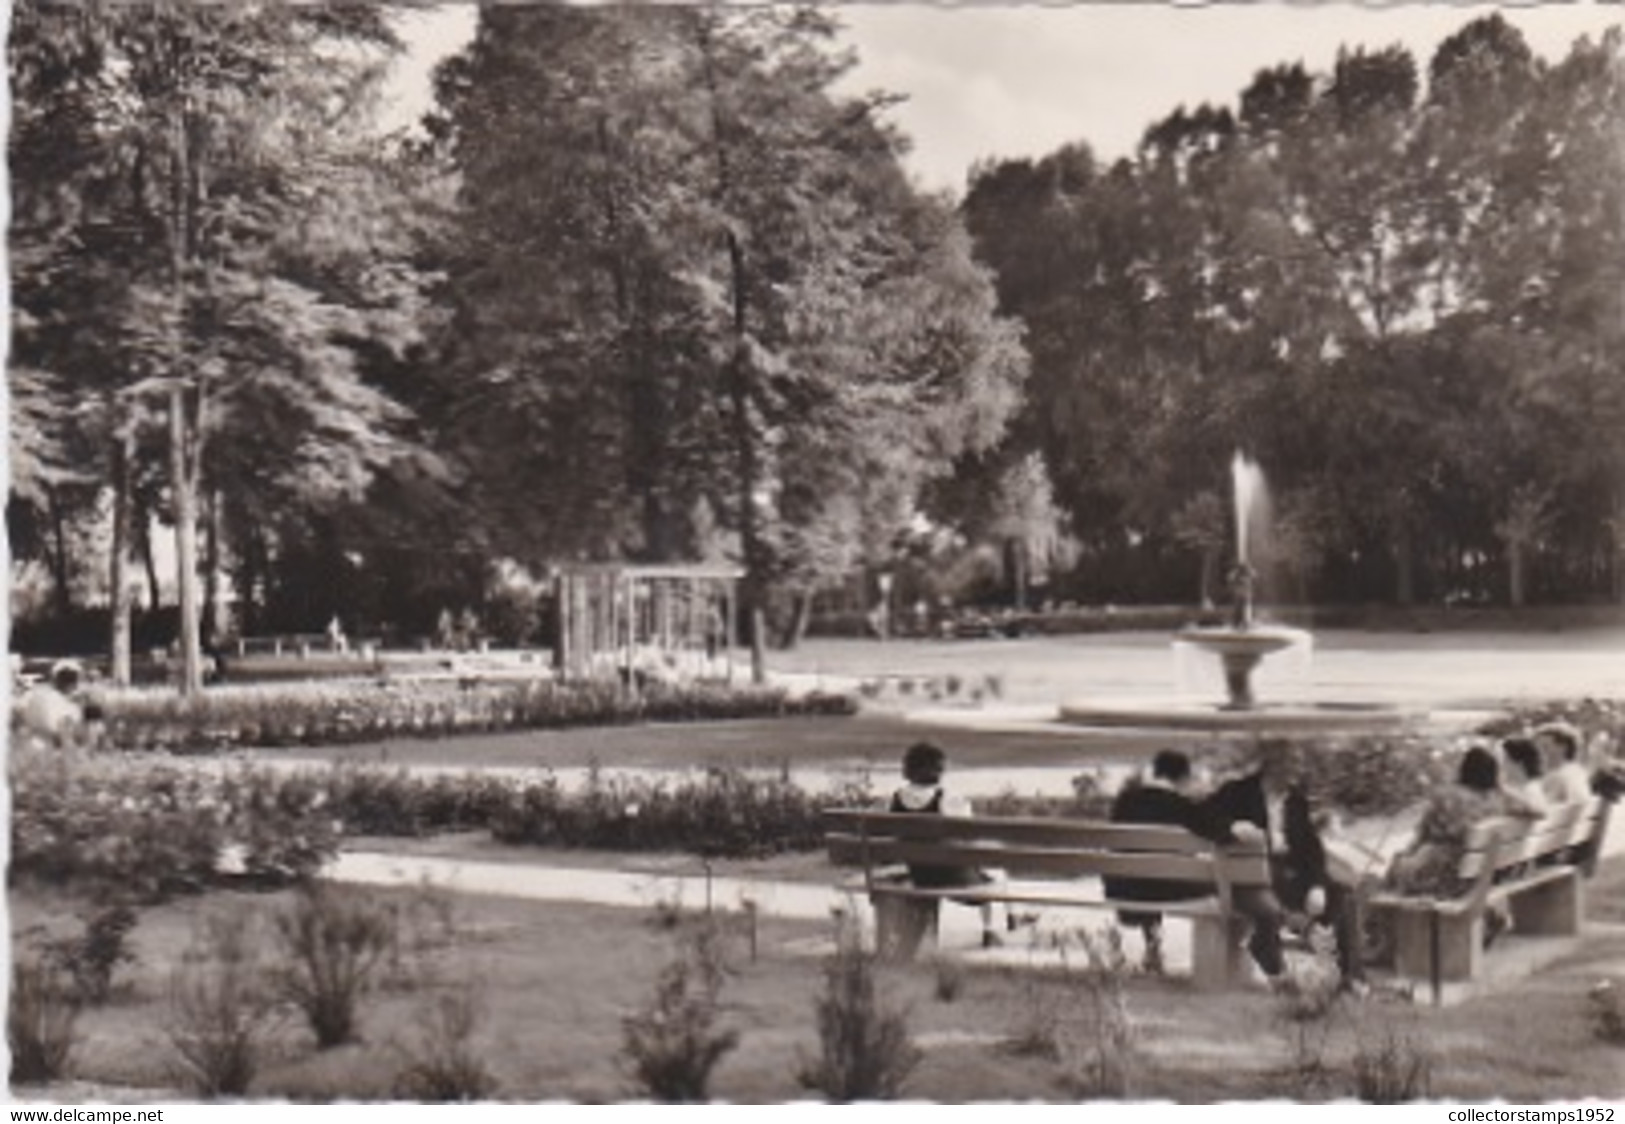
335,635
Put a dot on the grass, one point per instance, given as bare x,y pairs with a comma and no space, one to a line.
871,741
559,980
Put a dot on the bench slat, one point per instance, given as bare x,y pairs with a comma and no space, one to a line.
1080,835
1510,843
1242,870
1033,895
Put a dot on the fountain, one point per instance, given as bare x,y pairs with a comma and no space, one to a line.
1241,645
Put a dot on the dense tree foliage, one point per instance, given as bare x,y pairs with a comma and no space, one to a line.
650,289
1403,299
648,285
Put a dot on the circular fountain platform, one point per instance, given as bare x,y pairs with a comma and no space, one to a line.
1284,718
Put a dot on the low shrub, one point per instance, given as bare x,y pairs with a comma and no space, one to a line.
1096,1045
1389,1068
1306,1011
421,922
672,1046
146,829
1605,1009
42,1018
866,1050
1089,800
352,710
443,1065
1358,774
221,1010
724,812
89,958
332,941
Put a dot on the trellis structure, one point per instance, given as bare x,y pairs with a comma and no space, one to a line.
646,621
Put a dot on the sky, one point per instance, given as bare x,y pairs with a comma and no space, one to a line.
1005,80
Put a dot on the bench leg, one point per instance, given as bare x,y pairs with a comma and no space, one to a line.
1218,958
902,925
1553,909
1437,947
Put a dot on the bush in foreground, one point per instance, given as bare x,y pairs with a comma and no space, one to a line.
42,1017
332,942
674,1043
866,1051
220,1007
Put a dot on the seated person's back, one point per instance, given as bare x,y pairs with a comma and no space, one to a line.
923,793
1161,798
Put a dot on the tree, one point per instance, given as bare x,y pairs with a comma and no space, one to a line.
735,303
239,299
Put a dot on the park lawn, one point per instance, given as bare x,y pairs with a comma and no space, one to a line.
557,979
867,741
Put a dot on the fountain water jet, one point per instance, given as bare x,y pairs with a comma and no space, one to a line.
1241,646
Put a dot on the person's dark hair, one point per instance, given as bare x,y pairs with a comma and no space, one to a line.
66,676
1171,765
1564,735
924,763
1479,770
1526,753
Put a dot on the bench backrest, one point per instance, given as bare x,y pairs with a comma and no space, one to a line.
1042,848
1499,846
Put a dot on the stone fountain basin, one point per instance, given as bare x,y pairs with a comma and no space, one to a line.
1266,717
1256,640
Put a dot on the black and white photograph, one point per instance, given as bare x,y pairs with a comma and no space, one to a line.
894,553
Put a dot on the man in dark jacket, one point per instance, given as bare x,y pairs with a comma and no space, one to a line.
1164,798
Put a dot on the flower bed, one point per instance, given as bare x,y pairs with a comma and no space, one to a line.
724,812
151,829
1358,775
332,712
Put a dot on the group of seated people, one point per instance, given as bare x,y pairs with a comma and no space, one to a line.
1319,876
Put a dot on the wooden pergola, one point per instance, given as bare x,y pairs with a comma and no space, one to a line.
639,621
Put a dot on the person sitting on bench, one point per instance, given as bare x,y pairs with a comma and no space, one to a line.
1163,799
1429,866
923,767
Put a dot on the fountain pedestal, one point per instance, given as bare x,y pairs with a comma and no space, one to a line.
1240,651
1238,679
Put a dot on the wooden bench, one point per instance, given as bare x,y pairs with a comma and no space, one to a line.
1047,863
1534,868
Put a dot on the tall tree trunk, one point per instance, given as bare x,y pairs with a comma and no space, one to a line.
119,568
1617,542
185,544
795,631
1015,561
1516,571
61,596
1404,567
214,622
186,188
143,545
752,590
